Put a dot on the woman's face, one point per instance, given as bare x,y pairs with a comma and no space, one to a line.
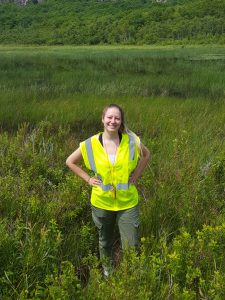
112,120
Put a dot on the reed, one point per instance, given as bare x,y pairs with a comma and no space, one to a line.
51,99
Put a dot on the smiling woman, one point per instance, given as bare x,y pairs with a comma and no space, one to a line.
112,120
117,158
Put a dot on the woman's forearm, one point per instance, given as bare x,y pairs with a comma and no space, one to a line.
72,162
78,171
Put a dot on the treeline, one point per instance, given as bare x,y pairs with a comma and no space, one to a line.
91,22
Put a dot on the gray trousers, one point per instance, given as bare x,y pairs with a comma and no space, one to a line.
128,224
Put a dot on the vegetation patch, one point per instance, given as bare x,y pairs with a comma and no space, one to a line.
48,243
127,22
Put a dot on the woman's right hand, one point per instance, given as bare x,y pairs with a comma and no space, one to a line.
93,181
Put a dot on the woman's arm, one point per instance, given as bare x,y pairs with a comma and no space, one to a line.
141,164
72,162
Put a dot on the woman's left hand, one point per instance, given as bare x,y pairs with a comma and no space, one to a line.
132,180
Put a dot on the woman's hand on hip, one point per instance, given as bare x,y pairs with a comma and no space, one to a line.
93,181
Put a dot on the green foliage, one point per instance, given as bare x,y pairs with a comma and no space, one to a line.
48,243
55,22
52,83
31,255
192,267
47,239
196,263
61,284
36,199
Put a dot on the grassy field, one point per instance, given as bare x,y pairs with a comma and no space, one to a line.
52,80
51,98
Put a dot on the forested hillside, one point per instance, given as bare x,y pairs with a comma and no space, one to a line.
112,22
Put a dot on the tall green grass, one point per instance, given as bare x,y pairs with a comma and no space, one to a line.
34,80
48,244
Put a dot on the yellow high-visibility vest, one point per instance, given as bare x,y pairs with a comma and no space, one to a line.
115,192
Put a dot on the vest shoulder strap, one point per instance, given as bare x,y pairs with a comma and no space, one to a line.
90,154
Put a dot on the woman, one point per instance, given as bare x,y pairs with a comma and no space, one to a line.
114,157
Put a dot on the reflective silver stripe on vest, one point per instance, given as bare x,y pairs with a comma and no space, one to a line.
131,146
106,187
90,155
119,186
122,186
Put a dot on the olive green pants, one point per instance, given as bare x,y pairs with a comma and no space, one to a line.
128,224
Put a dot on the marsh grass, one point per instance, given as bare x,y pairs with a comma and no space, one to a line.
51,99
54,82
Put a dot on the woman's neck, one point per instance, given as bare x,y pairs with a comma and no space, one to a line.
110,135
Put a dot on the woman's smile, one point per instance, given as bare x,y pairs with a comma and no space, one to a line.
112,119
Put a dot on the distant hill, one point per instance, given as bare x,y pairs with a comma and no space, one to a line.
112,22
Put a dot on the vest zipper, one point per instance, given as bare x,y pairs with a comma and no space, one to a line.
114,189
114,186
111,165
